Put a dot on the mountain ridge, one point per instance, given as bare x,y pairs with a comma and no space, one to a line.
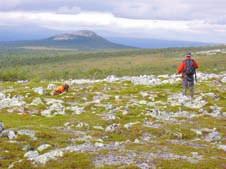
80,40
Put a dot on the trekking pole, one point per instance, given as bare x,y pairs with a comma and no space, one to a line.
196,77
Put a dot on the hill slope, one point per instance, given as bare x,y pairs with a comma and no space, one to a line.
80,40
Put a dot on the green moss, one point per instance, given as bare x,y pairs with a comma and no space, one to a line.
178,164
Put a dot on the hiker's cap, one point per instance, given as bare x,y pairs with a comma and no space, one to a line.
188,54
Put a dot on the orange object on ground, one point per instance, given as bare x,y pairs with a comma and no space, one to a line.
61,89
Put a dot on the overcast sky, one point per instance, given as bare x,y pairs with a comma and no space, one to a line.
194,20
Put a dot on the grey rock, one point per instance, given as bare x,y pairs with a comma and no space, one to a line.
1,126
222,147
179,99
213,136
55,108
54,154
43,147
29,133
112,128
44,158
39,90
98,127
76,109
130,125
31,155
109,116
223,79
27,147
37,101
82,125
10,134
51,86
10,102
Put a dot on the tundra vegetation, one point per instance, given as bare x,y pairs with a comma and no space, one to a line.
135,119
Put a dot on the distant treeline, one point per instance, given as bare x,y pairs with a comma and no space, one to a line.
19,64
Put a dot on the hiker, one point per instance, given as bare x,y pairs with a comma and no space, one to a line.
188,70
61,89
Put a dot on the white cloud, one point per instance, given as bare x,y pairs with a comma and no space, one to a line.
107,22
69,10
210,10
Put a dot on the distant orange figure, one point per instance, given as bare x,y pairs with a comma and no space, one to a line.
61,89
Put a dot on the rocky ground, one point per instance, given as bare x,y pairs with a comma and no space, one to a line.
128,122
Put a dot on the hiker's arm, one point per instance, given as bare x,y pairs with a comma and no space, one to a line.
180,68
195,64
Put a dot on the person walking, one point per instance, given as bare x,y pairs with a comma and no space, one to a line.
188,70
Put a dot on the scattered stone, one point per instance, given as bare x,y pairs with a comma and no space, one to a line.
43,147
145,166
27,147
144,94
137,141
143,102
98,144
169,116
22,81
112,128
222,147
11,166
54,154
1,127
46,113
10,102
117,98
109,107
51,87
37,101
30,155
152,125
223,80
98,127
216,111
181,100
76,110
108,116
29,133
213,136
44,158
50,101
125,112
130,125
39,90
82,125
10,134
54,109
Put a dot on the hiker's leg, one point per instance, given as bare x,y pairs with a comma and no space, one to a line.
184,84
191,88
